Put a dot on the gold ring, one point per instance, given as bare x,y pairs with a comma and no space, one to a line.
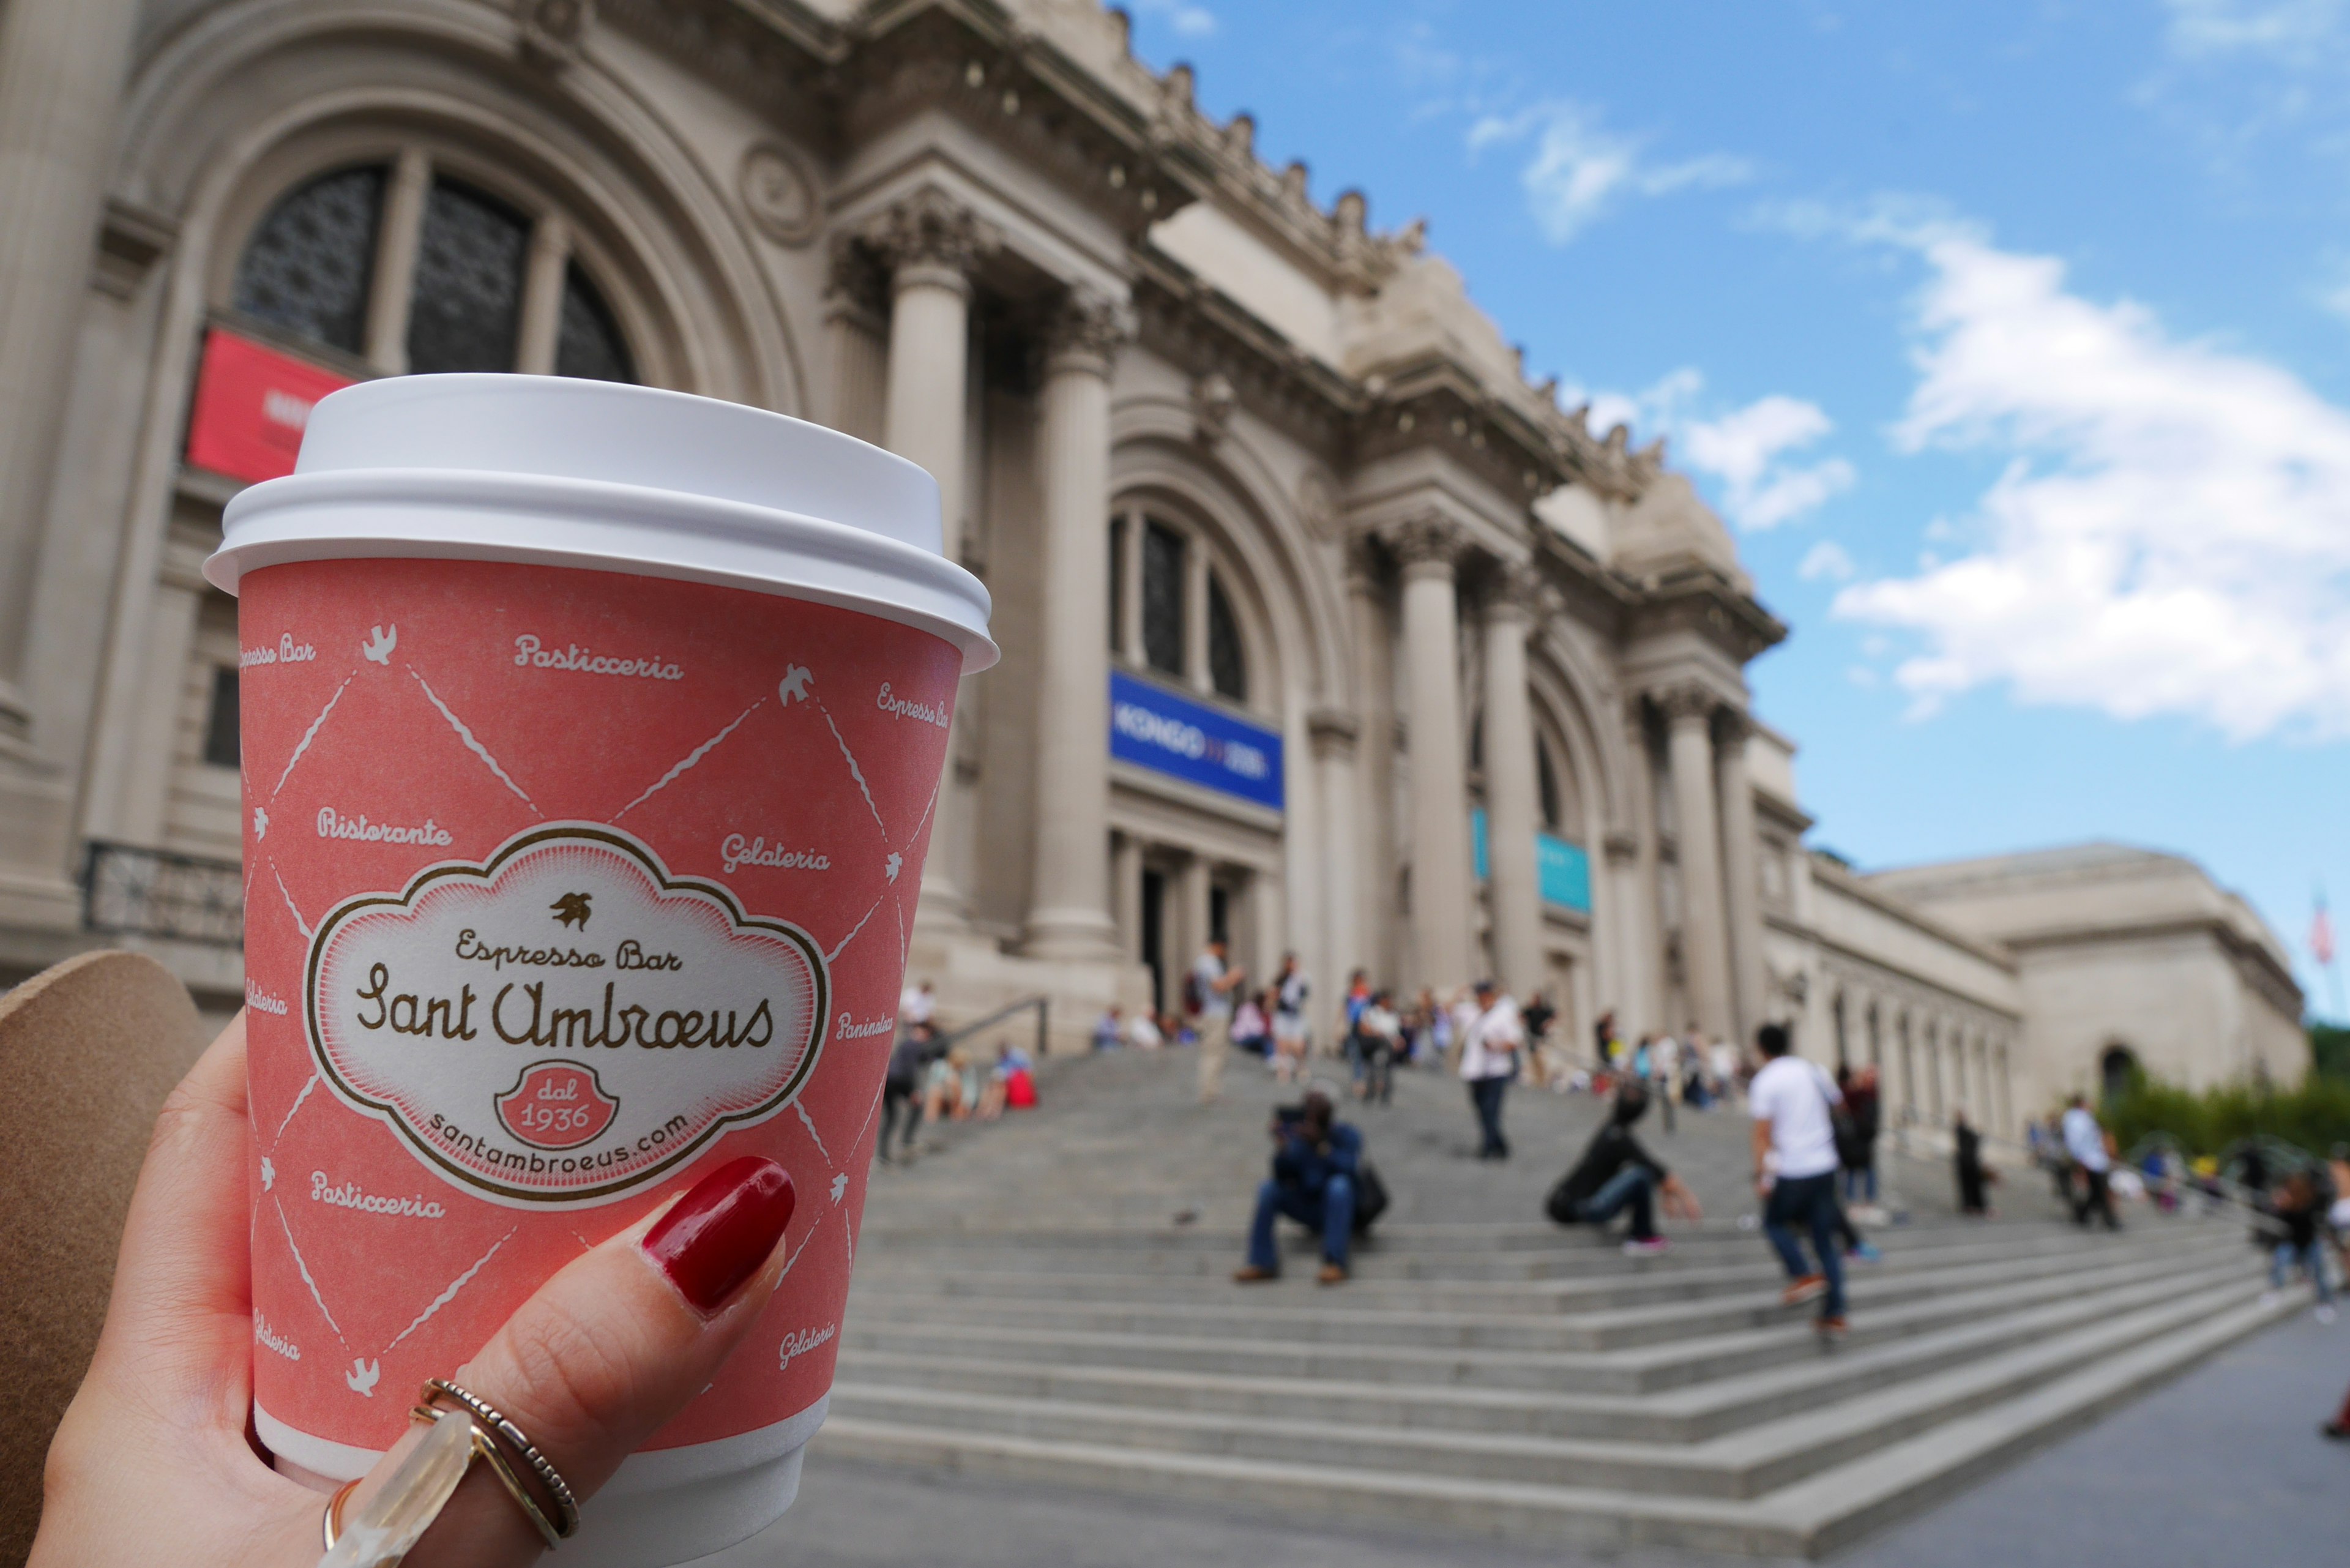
492,1429
330,1523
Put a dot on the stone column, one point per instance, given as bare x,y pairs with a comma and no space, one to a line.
542,296
1375,848
1335,735
929,245
1512,792
62,64
1741,875
1632,862
1068,911
1443,924
1698,837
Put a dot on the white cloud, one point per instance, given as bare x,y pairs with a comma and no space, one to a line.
1826,559
1747,449
1579,169
2288,29
2169,533
1188,20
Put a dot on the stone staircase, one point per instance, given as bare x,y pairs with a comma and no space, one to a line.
1049,1299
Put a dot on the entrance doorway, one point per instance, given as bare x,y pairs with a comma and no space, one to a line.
1154,934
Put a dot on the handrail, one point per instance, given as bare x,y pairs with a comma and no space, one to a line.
1043,1004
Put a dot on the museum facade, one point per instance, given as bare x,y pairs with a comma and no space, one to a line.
1322,629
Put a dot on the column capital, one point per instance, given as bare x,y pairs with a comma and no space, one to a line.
1689,702
1086,331
1427,545
928,236
1733,728
1517,592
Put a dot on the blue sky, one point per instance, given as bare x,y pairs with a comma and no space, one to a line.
2012,339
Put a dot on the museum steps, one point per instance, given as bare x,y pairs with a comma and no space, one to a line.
1479,1375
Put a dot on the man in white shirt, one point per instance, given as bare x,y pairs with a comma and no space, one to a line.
2085,1143
916,1004
1490,1039
1791,1102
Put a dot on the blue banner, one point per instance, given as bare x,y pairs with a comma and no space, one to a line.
1151,727
1562,870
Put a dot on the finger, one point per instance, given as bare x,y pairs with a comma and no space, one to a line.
181,1286
617,1344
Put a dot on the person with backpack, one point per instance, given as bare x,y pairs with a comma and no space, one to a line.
1793,1103
1616,1174
1317,1174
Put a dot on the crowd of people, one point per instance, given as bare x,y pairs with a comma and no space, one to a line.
933,1078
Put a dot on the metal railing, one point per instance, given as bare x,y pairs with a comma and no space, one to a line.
130,891
947,1041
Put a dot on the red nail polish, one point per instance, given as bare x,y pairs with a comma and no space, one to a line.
722,1230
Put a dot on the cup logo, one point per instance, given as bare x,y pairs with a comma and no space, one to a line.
565,1022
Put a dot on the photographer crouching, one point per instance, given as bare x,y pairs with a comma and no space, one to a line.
1317,1180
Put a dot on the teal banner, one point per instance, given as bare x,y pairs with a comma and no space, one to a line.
1562,870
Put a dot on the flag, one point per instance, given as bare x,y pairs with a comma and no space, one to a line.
2321,934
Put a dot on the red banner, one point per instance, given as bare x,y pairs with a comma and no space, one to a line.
252,404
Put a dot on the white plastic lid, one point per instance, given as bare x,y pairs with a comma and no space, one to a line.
595,474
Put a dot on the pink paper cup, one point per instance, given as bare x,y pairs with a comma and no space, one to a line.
592,740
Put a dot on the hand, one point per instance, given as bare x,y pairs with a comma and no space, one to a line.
154,1464
1762,1184
1679,1202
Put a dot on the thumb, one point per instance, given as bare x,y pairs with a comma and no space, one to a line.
614,1345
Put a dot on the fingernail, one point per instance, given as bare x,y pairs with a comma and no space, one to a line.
721,1230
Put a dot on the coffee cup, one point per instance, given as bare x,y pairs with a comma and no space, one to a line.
592,740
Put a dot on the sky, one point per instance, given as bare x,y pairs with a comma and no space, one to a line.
2012,338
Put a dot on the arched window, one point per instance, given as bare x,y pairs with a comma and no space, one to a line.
489,285
311,263
2118,1070
466,312
1172,607
1162,599
1227,661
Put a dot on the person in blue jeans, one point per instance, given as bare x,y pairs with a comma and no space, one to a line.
1617,1175
1792,1102
1316,1165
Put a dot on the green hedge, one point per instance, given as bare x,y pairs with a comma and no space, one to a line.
2316,1116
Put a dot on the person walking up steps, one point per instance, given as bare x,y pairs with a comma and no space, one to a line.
1214,987
1793,1103
1490,1039
2085,1142
1316,1163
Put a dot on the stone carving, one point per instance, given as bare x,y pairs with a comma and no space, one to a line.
778,195
1213,398
1087,326
554,30
1317,503
930,228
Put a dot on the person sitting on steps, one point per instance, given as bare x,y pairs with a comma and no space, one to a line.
1616,1174
1317,1164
